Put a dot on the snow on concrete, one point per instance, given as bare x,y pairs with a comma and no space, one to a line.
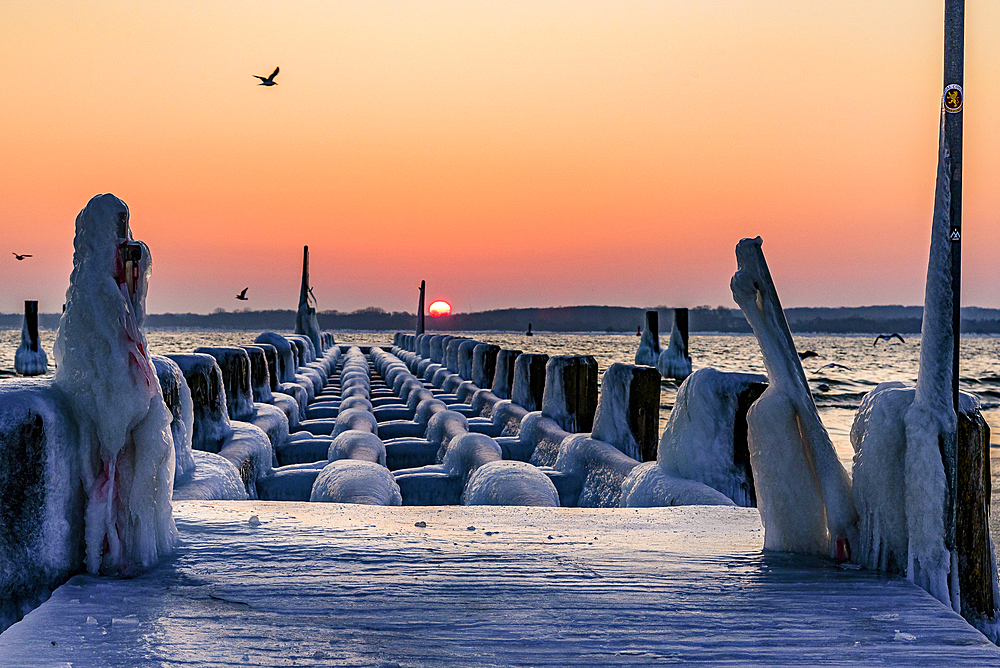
258,583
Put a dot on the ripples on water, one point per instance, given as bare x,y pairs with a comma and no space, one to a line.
837,390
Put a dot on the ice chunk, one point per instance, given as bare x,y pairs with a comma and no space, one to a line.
177,397
126,446
706,435
215,478
287,363
356,481
803,492
30,358
507,483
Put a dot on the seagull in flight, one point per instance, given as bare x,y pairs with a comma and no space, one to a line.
19,257
269,81
832,365
887,337
243,295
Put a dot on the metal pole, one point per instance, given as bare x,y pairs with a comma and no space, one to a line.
954,98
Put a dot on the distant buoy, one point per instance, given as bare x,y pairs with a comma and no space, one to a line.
528,333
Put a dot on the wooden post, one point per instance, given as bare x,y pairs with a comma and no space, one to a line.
529,380
628,416
503,377
653,327
31,323
570,395
681,323
420,308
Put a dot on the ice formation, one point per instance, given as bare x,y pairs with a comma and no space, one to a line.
306,322
907,513
287,362
705,436
356,481
126,447
649,345
30,358
674,362
803,492
177,397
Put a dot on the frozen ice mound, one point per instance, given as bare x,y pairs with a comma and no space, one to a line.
356,481
705,436
177,398
43,500
215,478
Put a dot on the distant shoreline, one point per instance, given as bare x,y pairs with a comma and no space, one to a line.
565,319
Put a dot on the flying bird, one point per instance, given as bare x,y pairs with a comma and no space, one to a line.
19,257
887,337
832,365
269,81
243,295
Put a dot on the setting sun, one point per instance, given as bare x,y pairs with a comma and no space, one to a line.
439,308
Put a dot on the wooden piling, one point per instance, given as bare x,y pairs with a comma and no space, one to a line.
31,323
653,327
420,308
971,502
681,323
503,377
570,396
529,380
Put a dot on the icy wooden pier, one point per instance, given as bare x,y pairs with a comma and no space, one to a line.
346,585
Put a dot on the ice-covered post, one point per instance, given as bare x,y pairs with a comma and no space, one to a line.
649,345
306,322
954,95
629,413
126,450
503,376
420,308
30,358
529,380
570,395
674,362
803,492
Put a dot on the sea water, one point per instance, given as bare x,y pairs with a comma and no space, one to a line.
844,369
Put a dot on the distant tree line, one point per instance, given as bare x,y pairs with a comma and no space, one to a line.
610,319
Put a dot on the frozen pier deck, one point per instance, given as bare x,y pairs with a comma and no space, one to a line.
331,584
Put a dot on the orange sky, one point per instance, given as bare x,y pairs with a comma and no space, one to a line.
510,153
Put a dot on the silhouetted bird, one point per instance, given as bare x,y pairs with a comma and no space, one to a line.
269,81
806,354
832,365
888,337
243,295
19,257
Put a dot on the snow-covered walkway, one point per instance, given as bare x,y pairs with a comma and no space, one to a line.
345,585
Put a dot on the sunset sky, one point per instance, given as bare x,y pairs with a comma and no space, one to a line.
509,153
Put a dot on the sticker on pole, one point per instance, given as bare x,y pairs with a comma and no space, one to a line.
953,98
956,234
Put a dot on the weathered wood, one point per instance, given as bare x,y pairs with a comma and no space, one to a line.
976,573
741,444
529,380
420,308
503,378
484,364
570,394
